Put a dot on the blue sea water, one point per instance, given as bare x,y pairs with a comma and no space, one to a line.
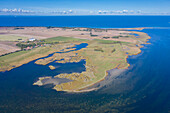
143,88
87,21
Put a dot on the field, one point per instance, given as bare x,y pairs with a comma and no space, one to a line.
12,38
8,43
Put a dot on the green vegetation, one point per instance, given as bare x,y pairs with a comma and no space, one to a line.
113,50
108,41
54,40
17,28
78,29
16,59
49,27
23,45
10,53
99,49
62,39
115,37
92,35
106,37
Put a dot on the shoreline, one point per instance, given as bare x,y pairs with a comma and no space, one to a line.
83,89
33,59
93,89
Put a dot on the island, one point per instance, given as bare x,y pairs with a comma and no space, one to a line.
101,49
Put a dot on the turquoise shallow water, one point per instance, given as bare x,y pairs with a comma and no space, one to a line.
144,87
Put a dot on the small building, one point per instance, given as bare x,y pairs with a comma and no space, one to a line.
32,39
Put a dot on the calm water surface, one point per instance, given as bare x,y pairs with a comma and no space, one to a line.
144,87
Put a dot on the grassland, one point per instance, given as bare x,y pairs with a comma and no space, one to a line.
17,59
63,39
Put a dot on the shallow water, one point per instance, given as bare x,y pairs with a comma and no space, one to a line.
144,87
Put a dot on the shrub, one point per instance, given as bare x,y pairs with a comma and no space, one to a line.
115,37
113,50
49,27
18,28
93,35
106,37
98,49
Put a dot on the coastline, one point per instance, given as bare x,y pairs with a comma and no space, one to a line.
94,89
106,74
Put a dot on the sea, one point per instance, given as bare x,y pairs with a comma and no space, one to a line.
142,88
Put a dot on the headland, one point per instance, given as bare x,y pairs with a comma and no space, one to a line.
105,49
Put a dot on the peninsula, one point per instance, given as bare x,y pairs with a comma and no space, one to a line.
105,49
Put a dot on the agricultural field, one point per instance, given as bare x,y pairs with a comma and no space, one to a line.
12,38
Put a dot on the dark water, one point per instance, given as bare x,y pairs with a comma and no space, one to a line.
144,87
86,21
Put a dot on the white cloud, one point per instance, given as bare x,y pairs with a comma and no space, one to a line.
125,11
15,10
70,12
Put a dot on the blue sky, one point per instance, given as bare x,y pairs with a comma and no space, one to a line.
147,6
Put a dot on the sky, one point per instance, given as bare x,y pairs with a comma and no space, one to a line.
87,6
